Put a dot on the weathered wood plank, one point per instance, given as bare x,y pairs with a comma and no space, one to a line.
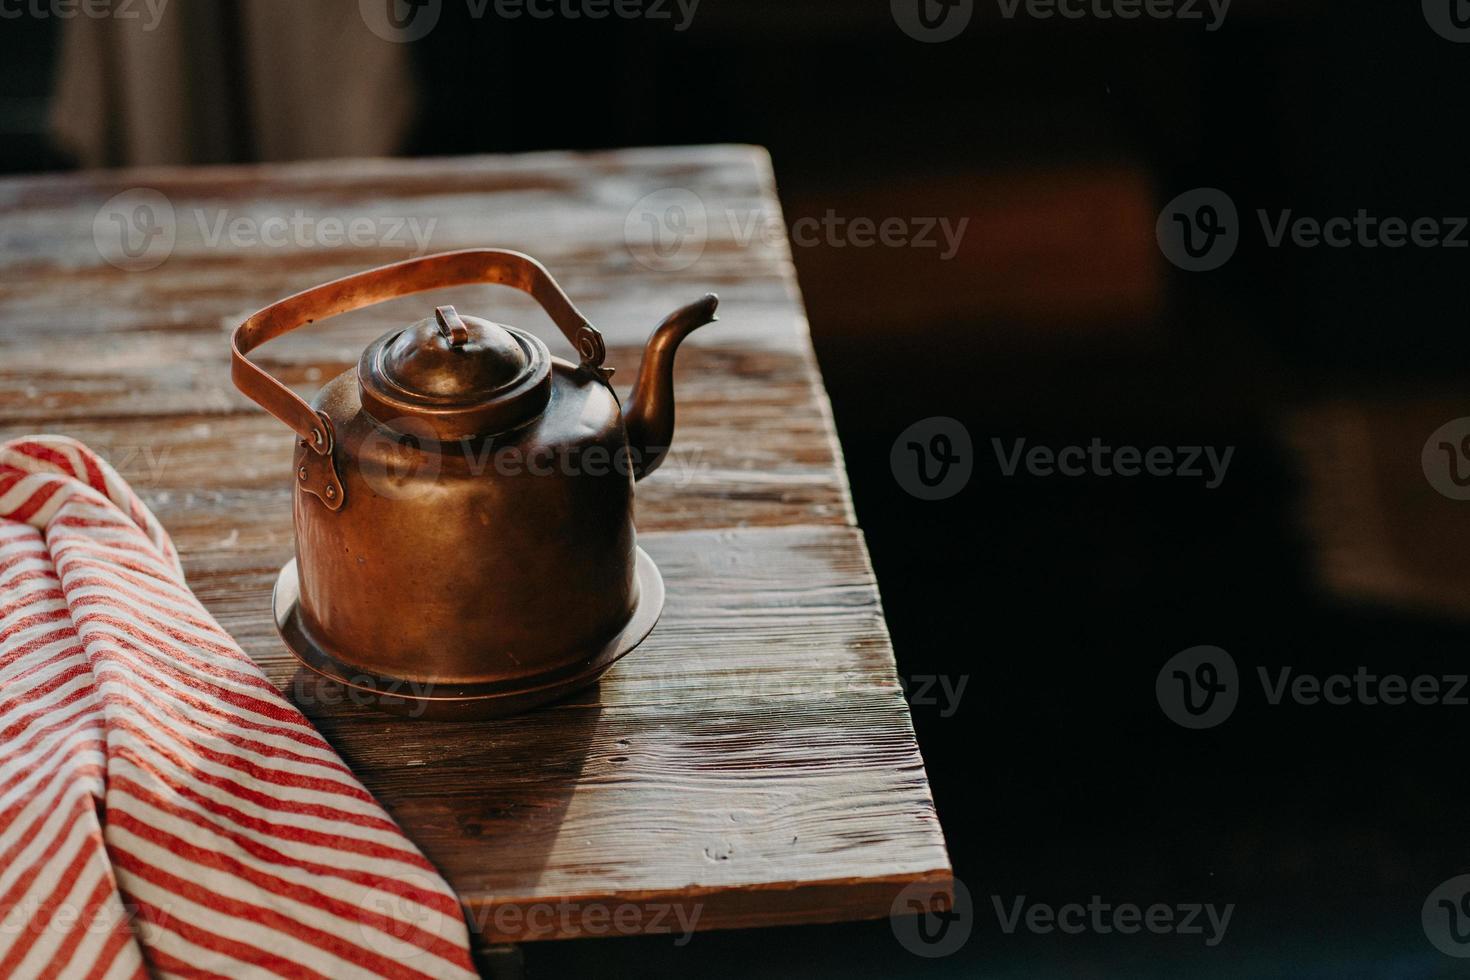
572,212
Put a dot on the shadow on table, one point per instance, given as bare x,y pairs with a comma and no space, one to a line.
484,800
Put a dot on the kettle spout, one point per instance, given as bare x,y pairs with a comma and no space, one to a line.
650,413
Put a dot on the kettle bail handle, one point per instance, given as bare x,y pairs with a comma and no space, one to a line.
471,265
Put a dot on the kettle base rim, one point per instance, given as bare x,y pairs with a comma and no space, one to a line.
465,701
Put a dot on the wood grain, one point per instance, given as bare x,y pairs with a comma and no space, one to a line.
752,763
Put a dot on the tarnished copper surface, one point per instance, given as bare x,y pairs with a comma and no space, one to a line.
465,701
464,520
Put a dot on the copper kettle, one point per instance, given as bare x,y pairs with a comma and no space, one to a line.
464,499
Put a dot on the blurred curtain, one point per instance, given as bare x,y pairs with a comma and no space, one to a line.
230,80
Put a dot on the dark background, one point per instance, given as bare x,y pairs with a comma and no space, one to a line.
1059,599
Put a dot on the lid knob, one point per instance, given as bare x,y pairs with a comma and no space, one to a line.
451,327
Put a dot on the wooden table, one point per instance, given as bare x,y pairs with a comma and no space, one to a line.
753,763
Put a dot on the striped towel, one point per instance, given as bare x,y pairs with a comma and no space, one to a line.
163,810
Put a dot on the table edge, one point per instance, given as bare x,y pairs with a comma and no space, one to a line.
824,902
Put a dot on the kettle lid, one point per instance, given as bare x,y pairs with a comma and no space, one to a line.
459,376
